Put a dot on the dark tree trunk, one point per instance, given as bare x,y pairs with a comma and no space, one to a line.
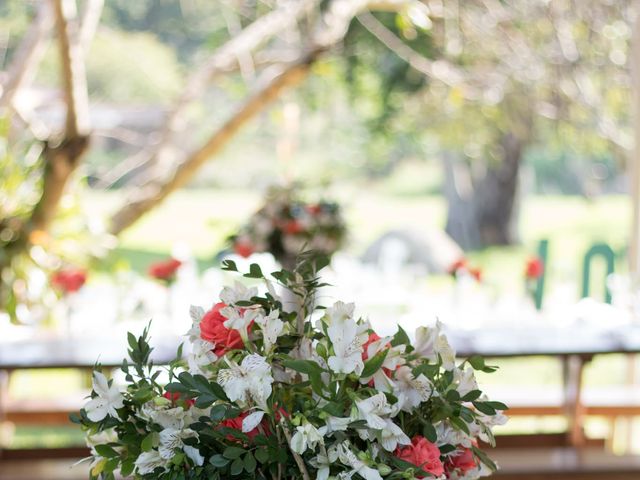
483,211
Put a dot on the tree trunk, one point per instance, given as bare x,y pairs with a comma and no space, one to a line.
483,211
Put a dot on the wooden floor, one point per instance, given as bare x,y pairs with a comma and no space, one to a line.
531,464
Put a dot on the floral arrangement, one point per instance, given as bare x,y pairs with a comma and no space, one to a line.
165,271
286,225
533,271
461,268
68,280
313,394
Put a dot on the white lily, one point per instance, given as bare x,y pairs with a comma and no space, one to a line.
173,418
249,381
411,391
237,293
272,327
391,436
251,421
446,434
106,402
465,381
430,343
194,454
306,437
347,338
196,314
373,409
200,356
147,462
171,439
350,459
239,319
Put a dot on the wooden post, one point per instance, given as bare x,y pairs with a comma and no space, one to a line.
634,160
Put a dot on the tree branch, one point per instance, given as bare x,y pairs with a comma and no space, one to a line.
62,159
27,58
158,190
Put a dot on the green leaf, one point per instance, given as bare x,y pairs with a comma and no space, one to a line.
237,466
262,455
459,424
452,396
204,401
308,367
485,408
229,266
233,452
497,405
149,442
218,412
106,451
400,338
429,432
127,467
471,396
484,458
476,361
374,364
249,462
175,387
219,461
254,271
133,341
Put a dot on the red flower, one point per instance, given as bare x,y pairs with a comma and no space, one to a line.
373,337
165,270
459,264
175,397
476,273
462,461
423,454
314,209
236,424
534,268
292,227
70,280
243,248
213,330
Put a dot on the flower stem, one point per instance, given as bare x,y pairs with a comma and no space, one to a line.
299,461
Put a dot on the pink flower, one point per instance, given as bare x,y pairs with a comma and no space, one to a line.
243,248
213,330
70,280
534,268
165,270
461,461
423,454
175,397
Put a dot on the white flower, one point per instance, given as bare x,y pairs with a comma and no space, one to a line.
147,462
200,356
251,421
465,381
107,401
446,434
347,338
430,343
238,319
373,409
171,439
272,327
249,381
237,293
411,391
391,436
349,459
194,454
322,462
173,418
335,424
306,437
196,314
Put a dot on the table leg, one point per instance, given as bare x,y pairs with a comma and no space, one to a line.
572,372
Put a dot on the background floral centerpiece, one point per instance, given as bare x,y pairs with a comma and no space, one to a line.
314,394
286,225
